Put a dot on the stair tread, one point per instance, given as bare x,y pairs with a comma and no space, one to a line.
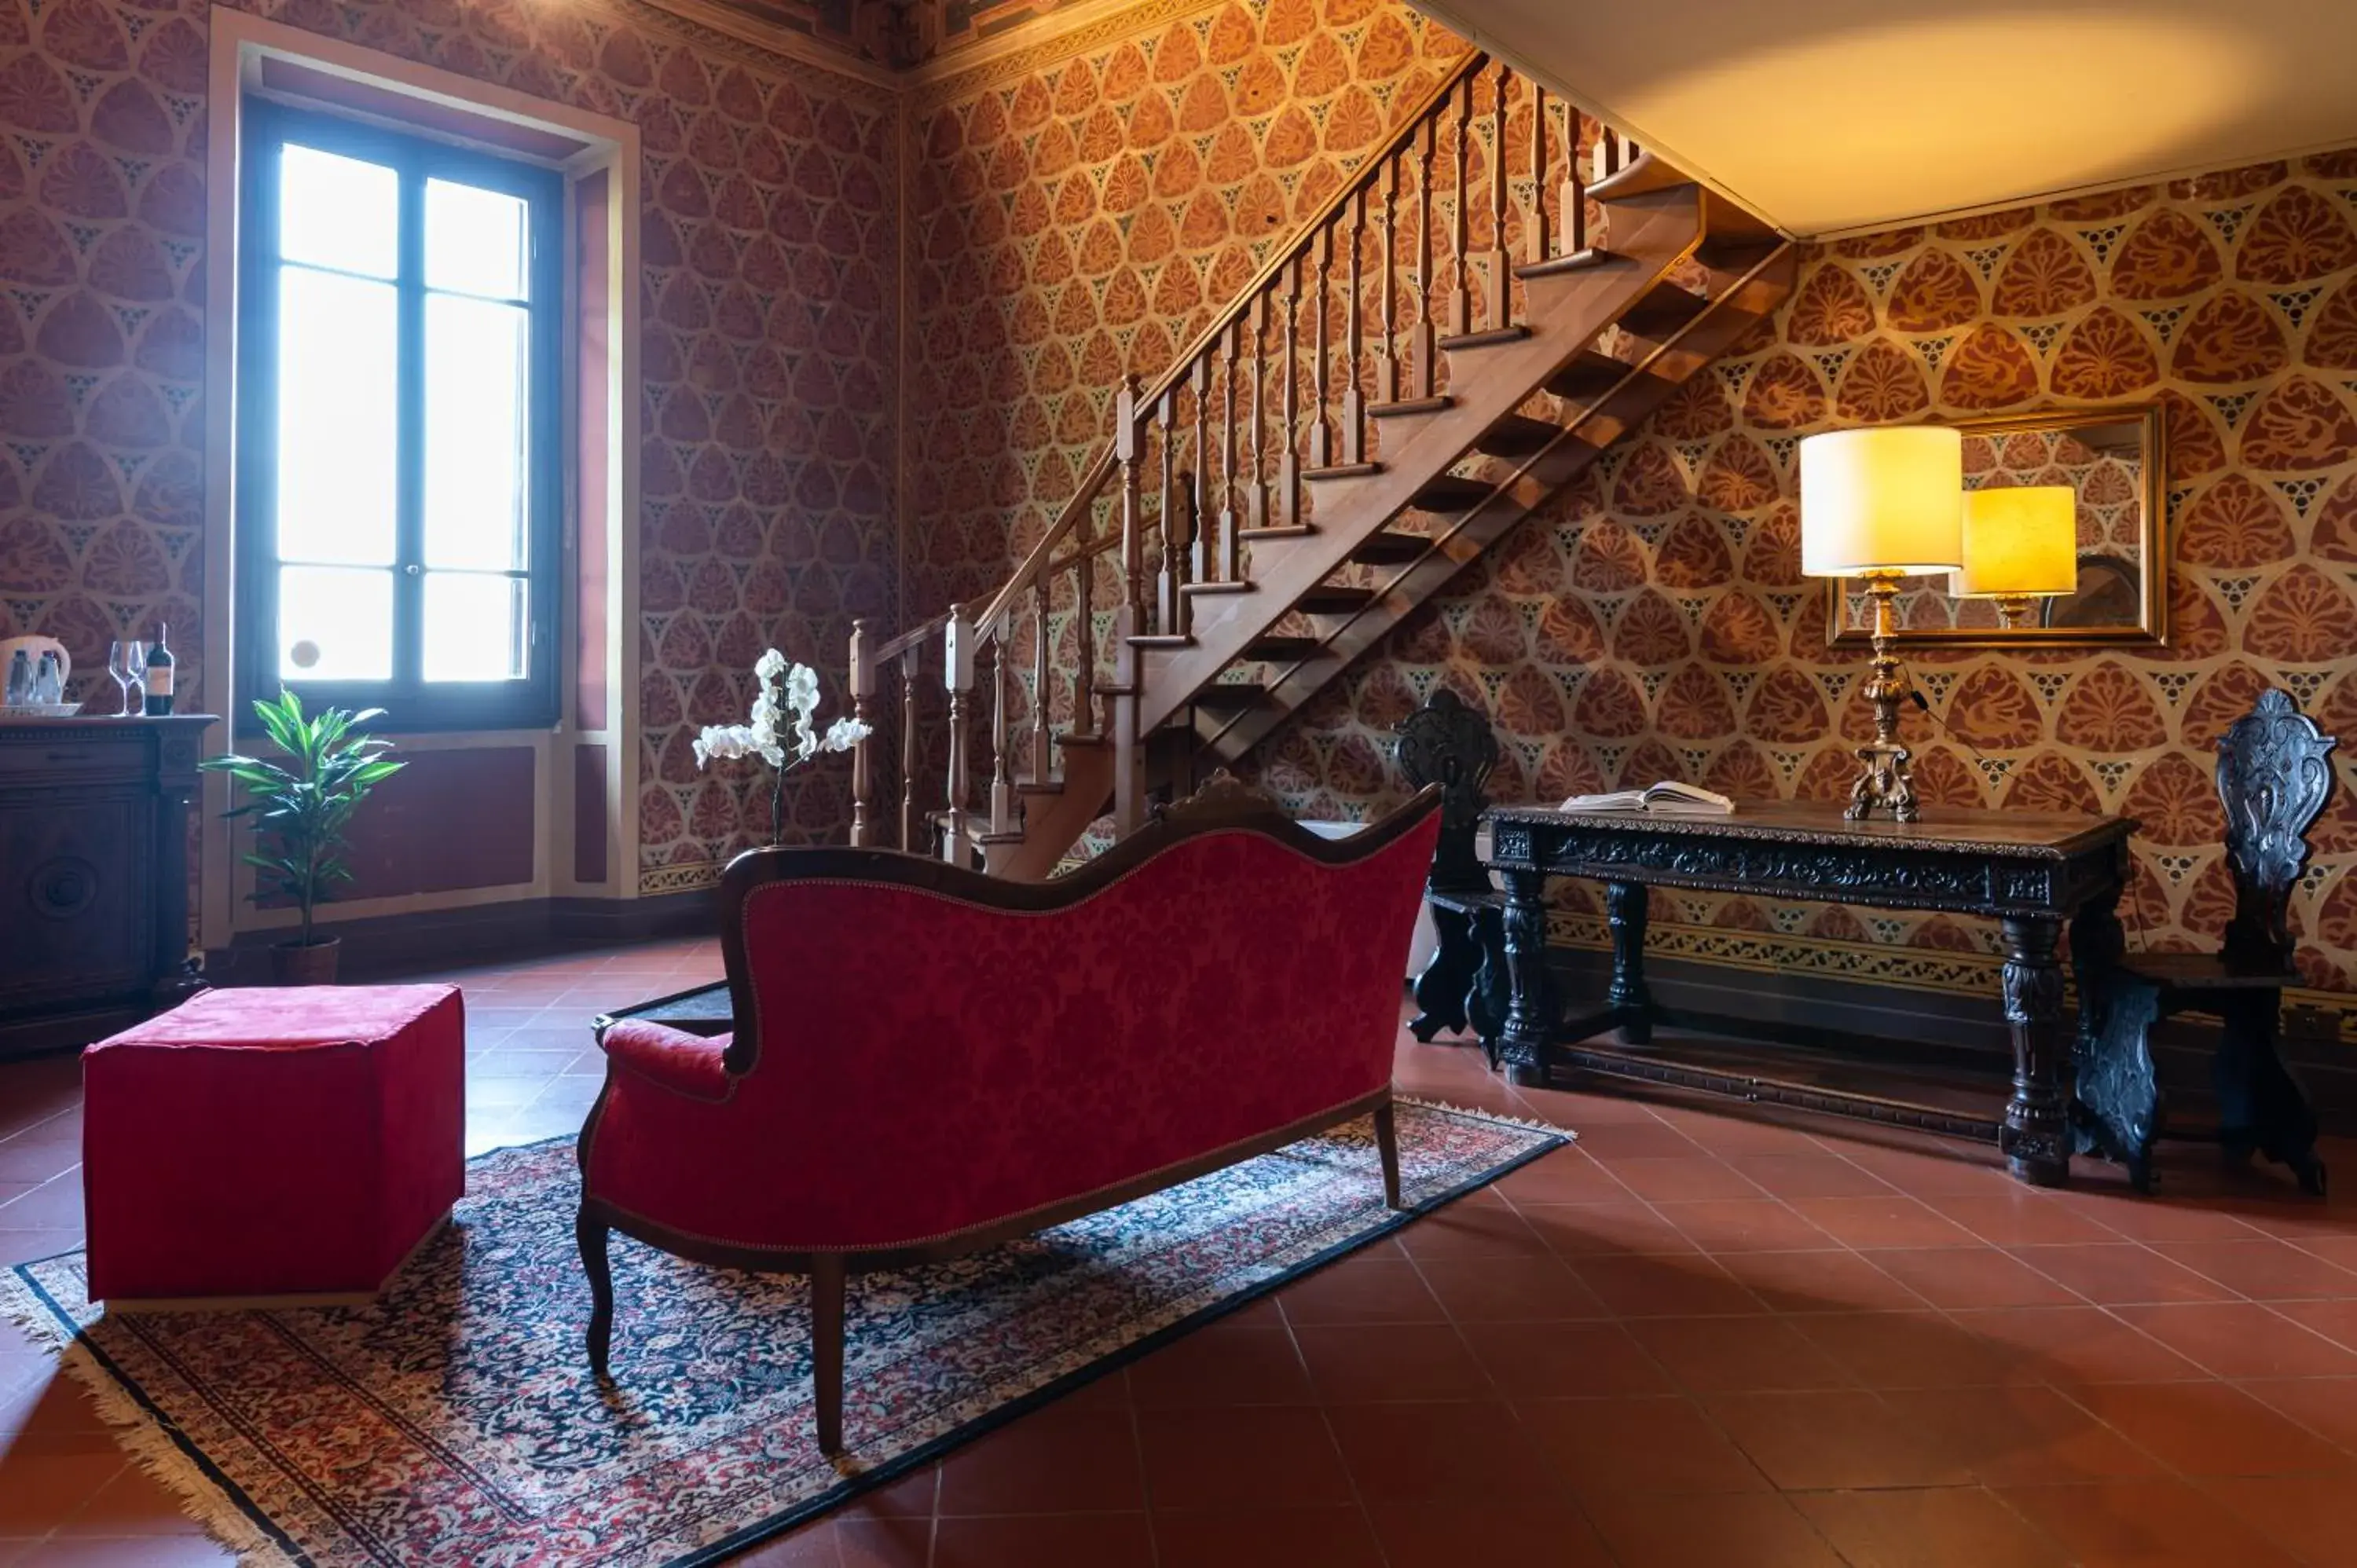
1641,176
1277,531
1162,639
1280,648
1405,407
1573,262
1389,547
1218,587
1737,253
1450,492
1664,306
1592,372
1516,435
1328,598
1050,787
1489,338
1342,471
1233,694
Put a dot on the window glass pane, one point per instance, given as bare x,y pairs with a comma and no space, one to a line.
474,626
476,388
339,212
335,623
338,417
474,240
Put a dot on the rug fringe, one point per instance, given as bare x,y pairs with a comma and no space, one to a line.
1500,1117
140,1434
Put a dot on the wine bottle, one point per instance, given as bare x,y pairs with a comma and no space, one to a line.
159,675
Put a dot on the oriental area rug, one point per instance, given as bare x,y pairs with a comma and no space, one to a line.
454,1421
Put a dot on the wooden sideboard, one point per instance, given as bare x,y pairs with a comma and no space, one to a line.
94,875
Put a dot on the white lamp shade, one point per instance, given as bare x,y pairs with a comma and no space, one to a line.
1888,498
2019,540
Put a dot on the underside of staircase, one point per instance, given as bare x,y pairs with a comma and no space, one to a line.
1500,295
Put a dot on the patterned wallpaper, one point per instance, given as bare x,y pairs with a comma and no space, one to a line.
1083,208
770,249
1651,621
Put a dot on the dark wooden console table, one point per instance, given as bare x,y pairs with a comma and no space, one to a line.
2029,871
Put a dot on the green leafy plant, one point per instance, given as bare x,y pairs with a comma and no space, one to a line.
300,812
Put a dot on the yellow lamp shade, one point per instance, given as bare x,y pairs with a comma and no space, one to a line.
1887,498
2019,540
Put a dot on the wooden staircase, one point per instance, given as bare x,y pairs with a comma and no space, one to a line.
1498,296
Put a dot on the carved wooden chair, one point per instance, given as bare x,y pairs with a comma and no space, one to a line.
1465,986
2273,779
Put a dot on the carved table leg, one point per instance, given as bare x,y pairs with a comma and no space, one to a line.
1440,990
1492,992
1626,905
2098,945
2036,1133
1533,1010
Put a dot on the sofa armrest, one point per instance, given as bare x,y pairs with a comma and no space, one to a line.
685,1064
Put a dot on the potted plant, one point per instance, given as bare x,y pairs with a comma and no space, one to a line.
301,813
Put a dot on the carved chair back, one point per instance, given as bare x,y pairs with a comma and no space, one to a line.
1448,743
2273,779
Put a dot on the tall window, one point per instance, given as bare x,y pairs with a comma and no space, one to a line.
399,433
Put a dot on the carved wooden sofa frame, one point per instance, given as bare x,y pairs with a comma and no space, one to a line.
715,1069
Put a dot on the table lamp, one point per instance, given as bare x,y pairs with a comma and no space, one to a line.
1881,504
2022,542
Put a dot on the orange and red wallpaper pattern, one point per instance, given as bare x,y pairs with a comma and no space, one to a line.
770,242
1084,210
1652,622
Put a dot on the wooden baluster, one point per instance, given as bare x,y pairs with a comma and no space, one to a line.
1002,775
1498,286
1575,191
1040,677
1321,452
1288,457
1388,232
1460,238
1355,401
1199,564
1133,523
1256,493
910,668
1166,578
1421,346
1607,152
1537,234
1084,638
863,702
1223,566
957,677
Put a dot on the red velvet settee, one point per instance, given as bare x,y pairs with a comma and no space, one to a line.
927,1060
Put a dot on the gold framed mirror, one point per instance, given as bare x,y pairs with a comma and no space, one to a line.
2115,462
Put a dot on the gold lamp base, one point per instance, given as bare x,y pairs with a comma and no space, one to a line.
1884,783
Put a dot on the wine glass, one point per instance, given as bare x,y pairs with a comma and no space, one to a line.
127,663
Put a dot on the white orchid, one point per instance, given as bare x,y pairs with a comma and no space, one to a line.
787,689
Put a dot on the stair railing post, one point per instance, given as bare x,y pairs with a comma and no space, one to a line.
1084,641
1537,234
1002,775
957,677
1223,564
1256,489
911,666
1288,458
863,708
1128,748
1421,347
1199,514
1355,401
1040,675
1166,578
1575,190
1321,290
1460,239
1387,232
1126,451
1498,285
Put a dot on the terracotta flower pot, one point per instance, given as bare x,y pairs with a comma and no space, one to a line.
291,963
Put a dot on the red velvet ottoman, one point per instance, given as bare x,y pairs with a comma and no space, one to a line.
296,1141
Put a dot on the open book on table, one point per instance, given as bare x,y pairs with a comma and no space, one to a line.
1669,798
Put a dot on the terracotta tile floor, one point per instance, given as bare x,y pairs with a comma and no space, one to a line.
1701,1336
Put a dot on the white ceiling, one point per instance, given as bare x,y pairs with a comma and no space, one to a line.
1828,116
